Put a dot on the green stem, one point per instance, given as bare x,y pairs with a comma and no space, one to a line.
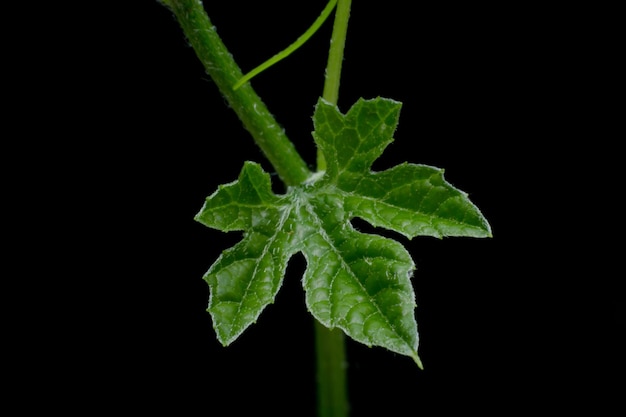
335,53
332,389
332,395
335,60
269,136
225,72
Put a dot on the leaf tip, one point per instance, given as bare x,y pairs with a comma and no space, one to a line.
418,361
485,230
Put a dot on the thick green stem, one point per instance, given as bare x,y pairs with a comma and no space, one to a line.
332,395
332,387
225,72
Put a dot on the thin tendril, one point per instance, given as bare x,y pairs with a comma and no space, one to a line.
291,48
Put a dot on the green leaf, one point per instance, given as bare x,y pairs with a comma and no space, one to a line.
355,281
409,199
246,277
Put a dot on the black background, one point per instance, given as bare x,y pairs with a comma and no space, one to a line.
510,99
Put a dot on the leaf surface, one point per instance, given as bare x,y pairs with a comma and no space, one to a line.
358,282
